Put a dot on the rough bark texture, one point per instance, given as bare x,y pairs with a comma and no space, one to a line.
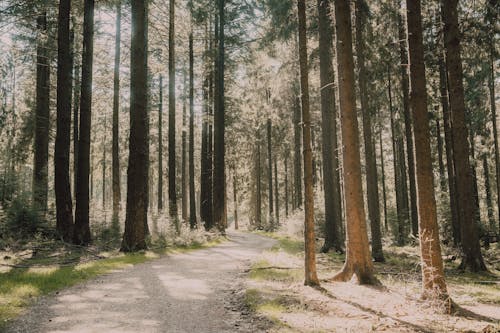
172,193
192,194
333,208
82,228
64,204
370,159
116,118
42,114
311,278
433,282
219,178
136,224
472,258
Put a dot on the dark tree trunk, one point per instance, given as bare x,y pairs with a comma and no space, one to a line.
172,193
276,192
205,176
219,178
472,258
82,228
192,196
384,192
433,283
311,278
297,164
408,125
116,119
475,190
104,165
136,224
258,197
184,157
76,117
270,172
64,204
42,114
286,185
333,208
370,159
160,148
442,178
489,199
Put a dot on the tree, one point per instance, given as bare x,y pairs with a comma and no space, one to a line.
433,282
297,164
64,204
358,257
136,224
371,162
471,252
116,118
42,114
333,207
160,147
192,195
81,234
270,168
311,278
172,192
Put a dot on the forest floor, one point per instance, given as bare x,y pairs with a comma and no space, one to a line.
275,289
196,291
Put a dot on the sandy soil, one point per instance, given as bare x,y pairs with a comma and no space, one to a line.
200,291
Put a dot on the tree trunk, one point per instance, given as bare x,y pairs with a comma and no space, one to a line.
104,165
270,172
433,282
442,178
235,200
192,195
286,184
276,193
172,193
64,204
219,178
333,208
472,258
297,165
371,162
258,204
81,234
76,115
184,157
489,199
160,148
408,125
311,278
205,184
42,115
116,119
136,224
384,192
475,190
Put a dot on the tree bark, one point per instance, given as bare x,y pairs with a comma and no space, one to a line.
81,234
258,204
472,258
384,192
136,224
192,195
160,148
286,184
489,199
270,171
311,278
276,193
64,203
442,178
235,200
116,119
433,282
184,157
297,164
172,193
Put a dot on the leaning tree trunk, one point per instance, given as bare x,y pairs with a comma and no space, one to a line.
136,224
358,257
116,119
42,114
472,258
82,228
333,208
64,204
433,282
311,278
371,162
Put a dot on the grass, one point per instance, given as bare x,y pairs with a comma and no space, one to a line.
263,270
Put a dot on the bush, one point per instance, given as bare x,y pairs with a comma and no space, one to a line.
22,221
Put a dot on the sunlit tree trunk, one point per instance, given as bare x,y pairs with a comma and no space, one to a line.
116,119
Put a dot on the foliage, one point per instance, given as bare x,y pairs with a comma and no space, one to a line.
23,222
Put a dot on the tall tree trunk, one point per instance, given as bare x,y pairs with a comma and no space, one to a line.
172,193
270,171
489,199
184,157
235,200
311,278
433,282
384,192
408,125
450,164
76,117
219,178
358,257
104,165
333,208
82,228
136,224
472,258
192,194
116,119
160,148
276,193
42,114
297,163
64,204
205,177
371,162
286,184
258,197
442,178
475,190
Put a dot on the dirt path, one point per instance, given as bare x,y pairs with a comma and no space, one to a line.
192,292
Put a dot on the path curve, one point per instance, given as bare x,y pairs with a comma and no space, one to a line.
199,291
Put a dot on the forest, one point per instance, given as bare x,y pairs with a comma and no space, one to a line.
249,166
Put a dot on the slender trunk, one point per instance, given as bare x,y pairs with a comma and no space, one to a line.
116,119
333,208
172,193
297,165
235,200
42,114
472,258
270,173
192,195
205,176
311,278
258,204
104,166
76,122
286,185
442,178
489,199
403,45
384,193
370,160
64,204
184,152
136,226
276,193
475,191
433,283
160,148
82,228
